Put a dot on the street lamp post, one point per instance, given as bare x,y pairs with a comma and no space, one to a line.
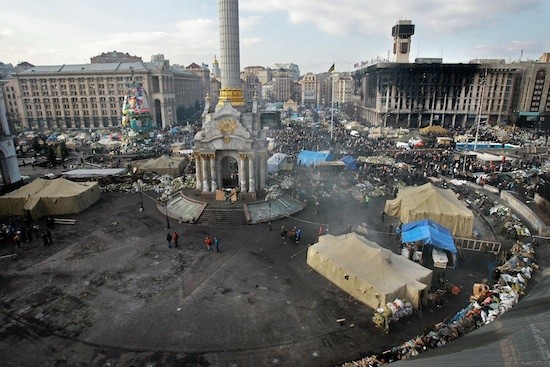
141,208
269,208
167,219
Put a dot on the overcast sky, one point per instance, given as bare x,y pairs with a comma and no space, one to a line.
311,33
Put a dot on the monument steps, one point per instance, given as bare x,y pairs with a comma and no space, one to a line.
216,216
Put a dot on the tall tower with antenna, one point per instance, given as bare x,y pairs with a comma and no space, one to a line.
402,32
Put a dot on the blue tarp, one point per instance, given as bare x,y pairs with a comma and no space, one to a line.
430,232
309,158
351,163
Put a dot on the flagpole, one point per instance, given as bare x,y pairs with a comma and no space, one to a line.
332,105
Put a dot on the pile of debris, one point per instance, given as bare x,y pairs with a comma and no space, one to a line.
377,159
511,224
392,311
486,304
161,184
378,189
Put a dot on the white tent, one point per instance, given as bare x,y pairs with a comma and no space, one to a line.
275,162
370,273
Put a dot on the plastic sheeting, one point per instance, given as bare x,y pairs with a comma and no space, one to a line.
275,161
430,232
351,163
310,158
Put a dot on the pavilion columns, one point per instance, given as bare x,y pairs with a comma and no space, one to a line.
251,181
205,187
198,171
214,185
242,171
263,168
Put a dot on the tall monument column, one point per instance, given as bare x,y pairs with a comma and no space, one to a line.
230,62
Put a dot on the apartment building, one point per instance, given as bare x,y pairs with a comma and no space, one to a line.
423,93
310,90
91,95
264,75
252,89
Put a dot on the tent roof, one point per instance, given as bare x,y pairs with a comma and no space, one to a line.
277,157
310,158
59,187
429,202
433,129
351,162
163,161
430,198
366,260
430,232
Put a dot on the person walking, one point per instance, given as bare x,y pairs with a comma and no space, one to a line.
17,240
29,233
45,239
169,240
298,235
284,233
175,238
49,235
217,244
36,228
208,243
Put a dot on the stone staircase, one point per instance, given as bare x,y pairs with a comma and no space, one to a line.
222,216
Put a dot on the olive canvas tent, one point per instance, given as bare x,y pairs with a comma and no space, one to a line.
50,197
164,165
430,202
372,274
434,129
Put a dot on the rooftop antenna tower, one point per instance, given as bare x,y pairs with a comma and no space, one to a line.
402,32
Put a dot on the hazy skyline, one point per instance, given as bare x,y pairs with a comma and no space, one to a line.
313,34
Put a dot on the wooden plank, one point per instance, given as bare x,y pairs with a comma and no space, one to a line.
64,221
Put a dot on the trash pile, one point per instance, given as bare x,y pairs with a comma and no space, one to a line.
378,189
272,192
512,225
377,159
164,184
392,311
485,305
287,183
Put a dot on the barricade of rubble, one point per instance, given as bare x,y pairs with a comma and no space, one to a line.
165,185
486,304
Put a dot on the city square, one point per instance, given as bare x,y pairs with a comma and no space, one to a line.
155,213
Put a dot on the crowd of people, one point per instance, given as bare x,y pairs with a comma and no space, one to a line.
420,163
27,233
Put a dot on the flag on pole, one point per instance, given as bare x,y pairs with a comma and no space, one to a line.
331,69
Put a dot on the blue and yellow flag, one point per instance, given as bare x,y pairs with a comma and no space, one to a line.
331,69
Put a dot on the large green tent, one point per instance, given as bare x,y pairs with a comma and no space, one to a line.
44,197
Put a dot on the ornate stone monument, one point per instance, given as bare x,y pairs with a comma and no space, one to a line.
231,147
